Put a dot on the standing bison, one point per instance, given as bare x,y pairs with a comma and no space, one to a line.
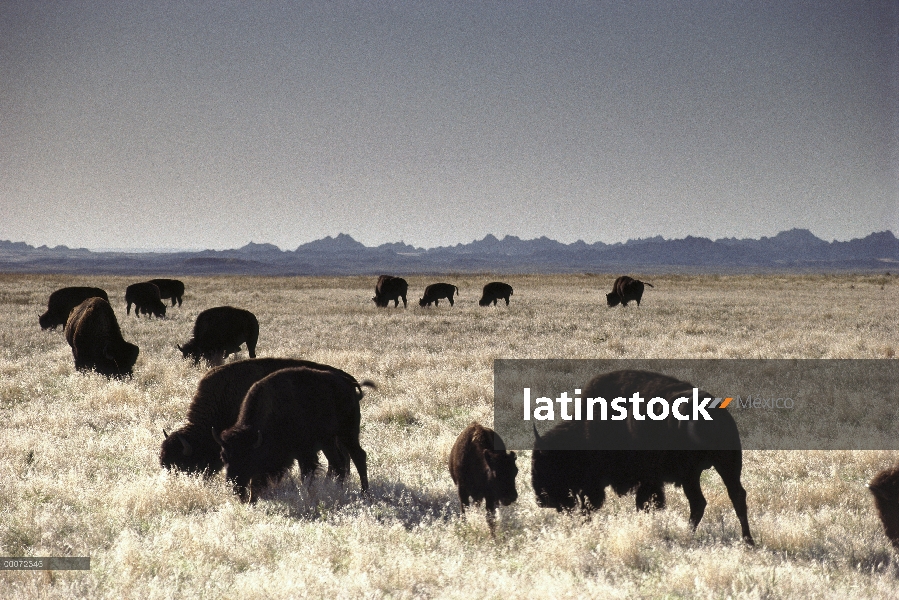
146,300
436,291
219,332
63,300
564,476
493,291
216,405
96,340
291,415
169,288
885,488
390,288
624,290
483,470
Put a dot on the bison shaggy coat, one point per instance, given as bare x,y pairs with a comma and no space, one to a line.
219,332
483,470
493,291
146,300
287,416
885,489
63,300
96,340
390,288
436,291
564,476
624,290
216,405
169,288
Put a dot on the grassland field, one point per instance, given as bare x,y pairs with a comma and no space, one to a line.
80,474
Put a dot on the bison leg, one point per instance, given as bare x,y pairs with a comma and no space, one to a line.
464,498
650,495
507,301
404,302
491,515
697,501
128,309
359,459
308,465
450,300
336,461
730,475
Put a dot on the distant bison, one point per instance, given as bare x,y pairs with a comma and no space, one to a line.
885,488
564,476
291,415
495,290
63,300
436,291
146,300
219,332
169,288
216,405
390,288
96,340
483,470
624,290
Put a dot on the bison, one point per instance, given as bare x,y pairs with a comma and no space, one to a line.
564,476
390,288
216,405
885,488
63,300
96,340
483,470
146,299
169,288
493,291
291,415
436,291
624,290
219,332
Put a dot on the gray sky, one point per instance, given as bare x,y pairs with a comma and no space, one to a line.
210,124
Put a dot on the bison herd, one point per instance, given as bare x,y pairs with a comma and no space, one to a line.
255,418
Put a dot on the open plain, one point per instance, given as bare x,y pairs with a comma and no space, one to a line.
80,474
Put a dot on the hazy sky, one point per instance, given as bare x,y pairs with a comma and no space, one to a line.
210,124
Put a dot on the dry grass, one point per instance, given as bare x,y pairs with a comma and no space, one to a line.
79,472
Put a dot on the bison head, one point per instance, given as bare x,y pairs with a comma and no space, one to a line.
485,301
46,321
181,450
612,299
501,475
421,302
550,477
241,457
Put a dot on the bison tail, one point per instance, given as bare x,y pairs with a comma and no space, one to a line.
368,383
649,284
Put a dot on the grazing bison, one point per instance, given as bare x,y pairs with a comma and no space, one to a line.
390,288
216,405
63,300
885,488
219,332
436,291
291,415
624,290
96,340
169,288
493,291
146,300
483,470
564,476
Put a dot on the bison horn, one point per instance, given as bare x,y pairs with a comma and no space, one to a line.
165,436
188,450
258,441
536,435
217,437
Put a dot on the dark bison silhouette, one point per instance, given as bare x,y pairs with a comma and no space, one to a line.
885,489
624,290
146,300
96,340
565,478
390,288
219,332
483,470
63,300
436,291
169,288
291,415
493,291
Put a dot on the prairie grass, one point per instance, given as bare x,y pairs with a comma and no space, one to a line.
79,470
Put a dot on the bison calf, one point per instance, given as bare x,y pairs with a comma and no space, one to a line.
624,290
96,340
483,470
169,288
436,291
885,488
219,332
63,300
493,291
146,300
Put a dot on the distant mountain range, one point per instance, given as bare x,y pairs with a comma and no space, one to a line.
794,250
